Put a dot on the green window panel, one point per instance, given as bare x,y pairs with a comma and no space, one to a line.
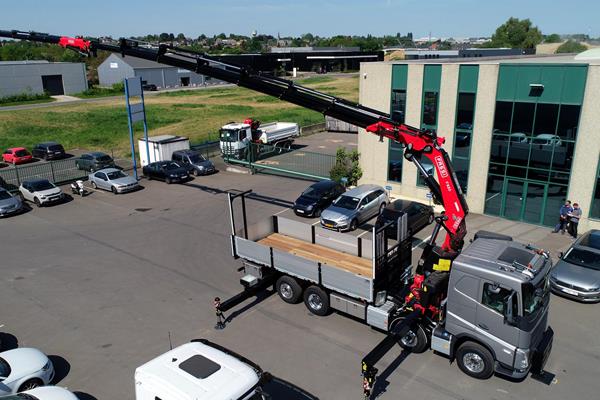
507,82
574,84
595,205
431,78
468,78
552,79
399,76
397,112
527,75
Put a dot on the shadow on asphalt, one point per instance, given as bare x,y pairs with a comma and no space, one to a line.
84,396
279,389
252,196
382,383
61,368
8,341
260,297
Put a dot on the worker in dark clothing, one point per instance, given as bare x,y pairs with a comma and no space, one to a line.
565,209
574,217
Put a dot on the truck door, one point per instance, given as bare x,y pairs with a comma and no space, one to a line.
491,321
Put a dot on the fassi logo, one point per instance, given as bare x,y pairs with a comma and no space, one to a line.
441,167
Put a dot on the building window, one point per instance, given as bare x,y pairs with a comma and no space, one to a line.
595,206
430,109
398,105
395,160
465,112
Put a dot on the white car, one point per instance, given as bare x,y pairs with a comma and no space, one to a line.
43,393
41,192
24,369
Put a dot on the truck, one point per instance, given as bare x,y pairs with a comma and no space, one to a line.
235,138
485,306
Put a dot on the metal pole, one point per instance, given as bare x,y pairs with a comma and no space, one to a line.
129,122
145,124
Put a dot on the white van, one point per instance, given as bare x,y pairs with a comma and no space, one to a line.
199,370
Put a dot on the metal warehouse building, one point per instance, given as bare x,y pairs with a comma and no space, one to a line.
522,132
116,68
18,77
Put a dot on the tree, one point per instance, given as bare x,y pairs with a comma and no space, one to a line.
346,166
571,46
516,34
553,38
181,37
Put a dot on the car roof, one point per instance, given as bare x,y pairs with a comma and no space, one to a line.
399,205
48,143
323,184
590,240
16,148
96,153
362,190
108,170
186,151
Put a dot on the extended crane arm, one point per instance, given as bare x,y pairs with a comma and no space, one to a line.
418,143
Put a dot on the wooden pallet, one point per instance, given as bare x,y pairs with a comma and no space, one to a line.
318,253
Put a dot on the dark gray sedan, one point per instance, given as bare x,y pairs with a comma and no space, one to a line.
577,273
9,204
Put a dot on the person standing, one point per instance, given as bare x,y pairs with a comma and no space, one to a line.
574,217
565,210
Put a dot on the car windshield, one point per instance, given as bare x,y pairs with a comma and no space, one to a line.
55,147
21,153
4,368
197,158
534,297
583,258
229,135
347,202
4,195
312,193
42,185
104,158
171,166
116,175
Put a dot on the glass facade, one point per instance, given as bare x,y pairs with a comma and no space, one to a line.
465,117
397,112
533,141
595,205
432,75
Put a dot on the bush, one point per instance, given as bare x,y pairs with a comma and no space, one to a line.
18,98
96,91
571,46
346,166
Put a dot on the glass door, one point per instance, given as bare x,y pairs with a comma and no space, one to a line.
524,201
535,199
513,199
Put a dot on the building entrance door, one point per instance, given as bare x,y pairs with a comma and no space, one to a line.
524,200
53,84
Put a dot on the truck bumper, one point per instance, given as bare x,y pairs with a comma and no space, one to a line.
537,362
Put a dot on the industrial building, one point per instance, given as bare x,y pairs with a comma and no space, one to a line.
522,132
36,77
116,68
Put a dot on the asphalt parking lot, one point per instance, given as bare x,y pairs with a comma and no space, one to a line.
102,281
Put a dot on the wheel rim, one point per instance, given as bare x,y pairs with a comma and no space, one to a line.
286,290
473,363
409,340
315,302
30,385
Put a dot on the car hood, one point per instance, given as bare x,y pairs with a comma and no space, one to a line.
204,164
128,180
585,278
51,393
334,213
24,361
13,201
49,192
304,201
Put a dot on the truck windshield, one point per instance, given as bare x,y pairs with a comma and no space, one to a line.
229,135
535,297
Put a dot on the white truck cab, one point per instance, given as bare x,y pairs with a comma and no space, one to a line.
199,370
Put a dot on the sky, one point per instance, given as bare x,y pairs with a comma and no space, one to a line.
438,18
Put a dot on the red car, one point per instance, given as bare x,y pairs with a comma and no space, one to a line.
16,155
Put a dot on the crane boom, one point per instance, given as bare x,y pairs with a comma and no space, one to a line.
418,143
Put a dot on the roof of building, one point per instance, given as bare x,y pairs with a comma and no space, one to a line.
512,59
28,62
138,63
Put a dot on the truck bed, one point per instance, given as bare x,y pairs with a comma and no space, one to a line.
318,253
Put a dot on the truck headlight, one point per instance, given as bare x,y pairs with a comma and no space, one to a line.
522,359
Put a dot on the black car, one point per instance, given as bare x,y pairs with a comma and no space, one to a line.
167,171
317,197
150,87
48,151
95,161
419,216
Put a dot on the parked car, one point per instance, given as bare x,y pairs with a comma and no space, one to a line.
194,161
9,204
419,216
547,139
150,87
577,274
168,171
24,369
16,155
48,151
41,192
43,393
354,207
317,197
94,161
114,180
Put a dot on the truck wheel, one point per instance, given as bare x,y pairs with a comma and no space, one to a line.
415,340
316,300
289,290
475,360
287,146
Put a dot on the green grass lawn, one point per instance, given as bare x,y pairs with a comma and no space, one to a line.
195,113
24,103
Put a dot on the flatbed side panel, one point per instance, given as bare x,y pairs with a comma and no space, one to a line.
295,229
367,248
350,284
261,229
253,251
336,240
296,266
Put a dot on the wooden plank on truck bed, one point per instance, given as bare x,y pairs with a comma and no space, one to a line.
322,254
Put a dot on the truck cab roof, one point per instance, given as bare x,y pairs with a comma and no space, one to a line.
236,125
502,259
196,371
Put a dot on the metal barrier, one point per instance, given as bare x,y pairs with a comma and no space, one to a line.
58,172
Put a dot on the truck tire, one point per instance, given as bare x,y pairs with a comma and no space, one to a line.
416,340
316,300
475,360
288,289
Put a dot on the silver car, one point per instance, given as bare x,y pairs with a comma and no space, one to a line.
113,180
577,274
9,204
354,208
